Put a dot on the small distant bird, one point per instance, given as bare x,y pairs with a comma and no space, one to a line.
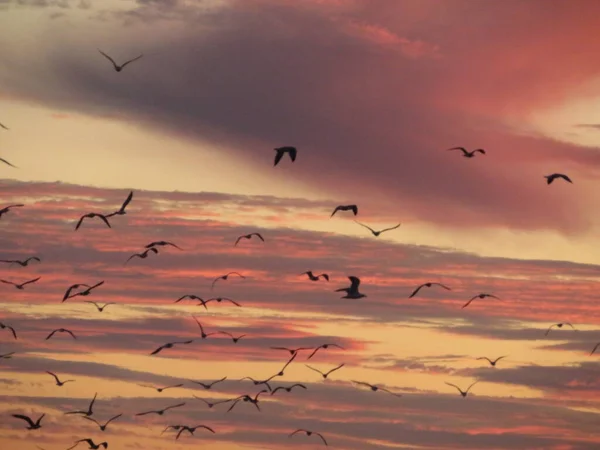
224,277
479,296
293,351
247,398
142,255
234,339
463,393
377,233
191,297
103,427
70,289
203,335
416,291
595,348
308,433
352,208
8,327
209,385
554,176
375,388
558,325
313,277
7,355
288,388
172,427
248,236
162,244
91,216
220,299
100,308
170,345
121,211
91,444
22,285
85,292
259,382
23,263
160,389
89,411
192,429
292,151
8,208
32,425
7,163
211,404
115,65
58,382
493,362
3,126
325,347
326,373
468,154
352,291
61,330
160,412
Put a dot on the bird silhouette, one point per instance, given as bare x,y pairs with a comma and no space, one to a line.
352,208
558,325
463,393
429,284
468,154
221,299
58,382
20,286
377,233
121,211
209,385
71,288
192,429
23,263
554,176
31,424
376,388
115,65
325,347
8,327
247,398
87,291
7,355
142,255
313,277
91,216
8,208
479,296
170,345
292,351
248,236
100,308
352,291
7,163
92,445
89,411
160,389
211,404
162,244
595,348
292,151
233,338
103,426
61,330
288,388
225,277
203,335
308,433
160,412
492,362
191,297
325,374
4,126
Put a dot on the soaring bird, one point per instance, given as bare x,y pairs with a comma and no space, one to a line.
463,393
160,412
554,176
142,255
87,291
58,382
160,389
288,388
61,330
170,345
325,374
115,65
7,163
100,308
209,385
211,404
375,388
313,277
8,208
92,445
308,433
377,233
468,154
224,277
203,335
162,244
352,208
8,327
325,347
248,236
416,291
292,151
352,291
121,211
220,299
558,325
89,411
23,263
191,297
192,429
247,398
172,427
31,424
103,427
70,288
91,216
233,338
259,382
479,296
20,286
492,362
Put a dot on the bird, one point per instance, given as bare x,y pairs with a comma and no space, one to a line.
429,284
58,382
203,335
479,296
352,208
554,176
170,345
248,236
91,216
375,388
74,286
91,444
142,255
160,412
174,427
377,233
308,433
224,277
292,151
3,126
7,163
259,382
293,351
288,388
60,330
493,363
247,398
87,291
89,411
23,263
20,286
323,346
234,339
463,393
8,208
352,291
103,427
8,327
280,373
115,65
100,308
594,349
192,429
162,244
209,385
160,389
326,373
32,425
313,277
468,154
220,299
211,404
7,355
121,211
191,297
558,325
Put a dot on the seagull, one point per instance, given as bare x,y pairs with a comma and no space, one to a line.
468,154
22,285
7,355
248,236
115,65
160,389
89,411
258,382
7,208
463,393
170,345
192,429
416,291
209,385
493,363
326,373
23,263
377,233
324,346
58,382
192,297
160,412
32,425
220,299
224,277
554,176
91,444
91,216
558,325
292,151
12,330
162,244
352,208
202,333
288,389
85,292
595,348
7,163
74,286
479,296
121,211
313,277
309,433
352,291
60,330
103,427
100,308
142,255
376,388
211,404
292,351
247,398
234,339
174,427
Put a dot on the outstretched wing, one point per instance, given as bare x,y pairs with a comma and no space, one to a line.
130,61
278,156
108,57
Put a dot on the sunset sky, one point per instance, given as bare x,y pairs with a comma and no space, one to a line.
372,93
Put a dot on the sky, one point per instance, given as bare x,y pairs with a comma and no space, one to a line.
372,94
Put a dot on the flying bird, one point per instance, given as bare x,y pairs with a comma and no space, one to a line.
7,355
7,163
160,412
492,362
103,427
162,244
352,208
292,151
115,65
100,308
58,382
203,335
313,277
325,347
558,325
308,433
23,263
91,444
8,208
89,411
326,373
121,211
211,404
142,255
352,291
247,398
170,345
468,154
31,424
220,299
554,176
224,277
234,339
259,382
248,236
288,388
22,285
209,385
160,389
463,393
87,291
192,297
91,216
375,388
74,286
416,291
377,233
61,330
479,296
192,429
293,351
8,327
173,427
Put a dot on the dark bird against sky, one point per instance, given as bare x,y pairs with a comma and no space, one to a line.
280,151
468,154
554,176
115,65
352,208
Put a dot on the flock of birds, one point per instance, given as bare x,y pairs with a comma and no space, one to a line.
153,248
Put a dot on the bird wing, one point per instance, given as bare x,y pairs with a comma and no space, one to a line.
236,273
337,208
293,152
499,358
238,240
416,291
454,386
157,350
3,126
464,150
355,282
324,275
278,156
104,219
366,226
391,228
93,420
567,323
485,357
80,222
473,384
54,375
71,333
214,281
312,368
299,430
25,418
566,178
8,282
336,368
133,256
443,286
361,383
595,348
130,61
14,333
51,334
6,162
108,57
231,301
259,236
469,302
207,428
127,201
322,438
31,281
174,406
549,328
313,353
112,418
